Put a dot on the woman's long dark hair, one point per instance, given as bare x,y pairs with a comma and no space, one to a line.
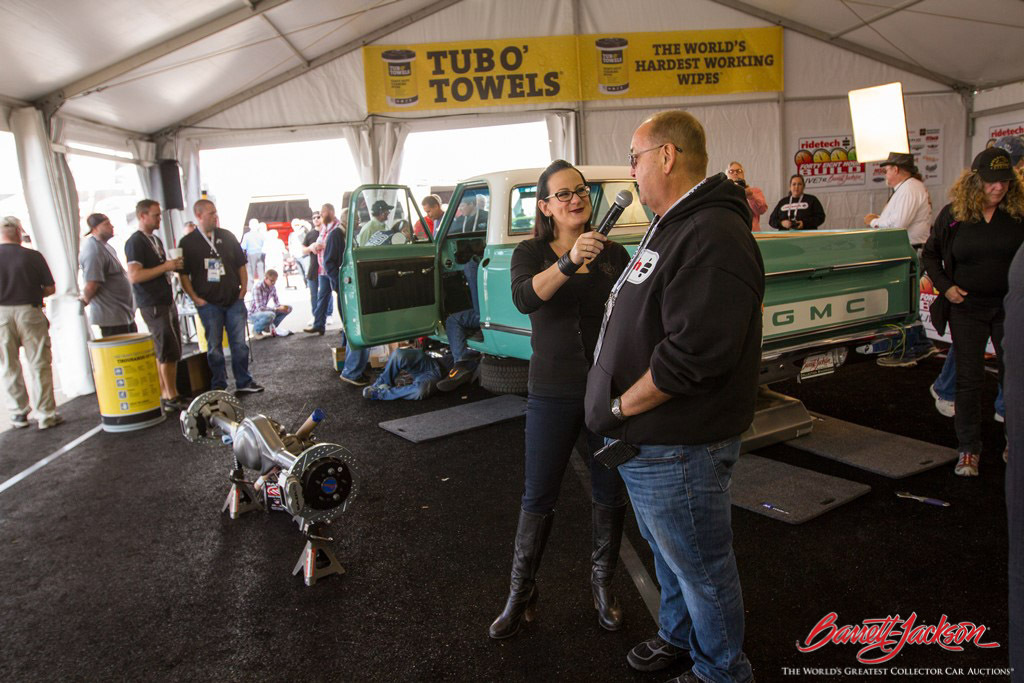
544,226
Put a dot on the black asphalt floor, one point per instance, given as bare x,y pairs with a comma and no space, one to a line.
117,563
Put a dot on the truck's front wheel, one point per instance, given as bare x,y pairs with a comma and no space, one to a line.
504,375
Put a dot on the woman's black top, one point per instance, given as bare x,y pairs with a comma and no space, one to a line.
974,256
565,327
804,208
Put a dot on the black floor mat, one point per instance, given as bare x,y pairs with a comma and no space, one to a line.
462,418
889,455
790,494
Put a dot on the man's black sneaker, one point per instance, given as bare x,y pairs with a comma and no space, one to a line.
360,381
19,420
251,388
457,376
314,330
174,405
654,655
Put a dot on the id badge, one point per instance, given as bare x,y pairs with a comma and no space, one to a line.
214,269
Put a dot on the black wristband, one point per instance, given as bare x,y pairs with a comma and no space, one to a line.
566,266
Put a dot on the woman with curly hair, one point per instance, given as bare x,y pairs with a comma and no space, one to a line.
973,240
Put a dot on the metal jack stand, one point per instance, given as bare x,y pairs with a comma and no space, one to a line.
317,561
242,497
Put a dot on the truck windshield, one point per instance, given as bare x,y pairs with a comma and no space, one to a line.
523,207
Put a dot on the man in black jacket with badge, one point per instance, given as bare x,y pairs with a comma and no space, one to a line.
675,376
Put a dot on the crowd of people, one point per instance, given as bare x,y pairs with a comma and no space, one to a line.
617,365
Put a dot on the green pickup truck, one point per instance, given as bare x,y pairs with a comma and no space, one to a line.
828,293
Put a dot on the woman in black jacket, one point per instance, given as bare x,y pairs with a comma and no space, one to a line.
967,256
561,279
797,211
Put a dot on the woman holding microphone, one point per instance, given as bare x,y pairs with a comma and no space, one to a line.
561,279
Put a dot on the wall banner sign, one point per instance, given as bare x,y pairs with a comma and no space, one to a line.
1004,129
569,68
680,63
829,162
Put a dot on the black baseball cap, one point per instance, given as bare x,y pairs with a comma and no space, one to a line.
993,165
380,206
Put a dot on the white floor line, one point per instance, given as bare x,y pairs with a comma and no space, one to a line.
48,459
649,591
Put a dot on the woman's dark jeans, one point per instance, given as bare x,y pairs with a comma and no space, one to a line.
552,428
971,327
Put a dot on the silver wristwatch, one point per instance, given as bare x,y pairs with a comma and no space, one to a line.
617,408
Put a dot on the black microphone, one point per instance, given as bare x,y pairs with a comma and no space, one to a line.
623,199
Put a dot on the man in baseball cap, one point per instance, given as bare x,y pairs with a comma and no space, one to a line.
380,211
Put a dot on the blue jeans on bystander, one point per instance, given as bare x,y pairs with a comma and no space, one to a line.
423,369
261,320
681,499
215,319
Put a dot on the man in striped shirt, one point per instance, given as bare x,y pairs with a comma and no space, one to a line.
266,319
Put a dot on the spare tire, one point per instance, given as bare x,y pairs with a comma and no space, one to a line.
504,375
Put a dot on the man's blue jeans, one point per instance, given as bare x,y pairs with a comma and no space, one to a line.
323,302
681,498
261,320
423,370
460,322
215,319
314,292
945,383
456,326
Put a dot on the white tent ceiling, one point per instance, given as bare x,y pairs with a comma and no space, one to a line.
146,65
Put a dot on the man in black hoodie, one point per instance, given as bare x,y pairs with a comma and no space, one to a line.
675,375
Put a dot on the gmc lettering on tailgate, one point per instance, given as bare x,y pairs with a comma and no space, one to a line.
814,313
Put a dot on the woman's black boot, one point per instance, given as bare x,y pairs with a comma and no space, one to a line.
607,539
531,536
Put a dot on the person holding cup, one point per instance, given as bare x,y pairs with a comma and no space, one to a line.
149,271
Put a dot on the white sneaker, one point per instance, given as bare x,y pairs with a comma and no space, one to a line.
967,465
259,335
947,408
998,418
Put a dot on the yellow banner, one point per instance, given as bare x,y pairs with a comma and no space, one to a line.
475,73
484,73
681,63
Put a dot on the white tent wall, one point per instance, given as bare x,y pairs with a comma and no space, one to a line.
745,132
846,208
996,107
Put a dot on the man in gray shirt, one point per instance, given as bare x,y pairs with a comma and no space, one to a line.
107,292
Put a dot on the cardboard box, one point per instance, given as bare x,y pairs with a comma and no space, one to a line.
338,357
379,356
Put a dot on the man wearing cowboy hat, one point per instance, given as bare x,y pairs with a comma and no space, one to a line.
909,208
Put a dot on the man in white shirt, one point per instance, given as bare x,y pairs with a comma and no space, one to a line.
909,208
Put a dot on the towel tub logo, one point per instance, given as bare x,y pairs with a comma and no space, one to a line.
883,639
643,267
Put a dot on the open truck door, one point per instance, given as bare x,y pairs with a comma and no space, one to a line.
389,279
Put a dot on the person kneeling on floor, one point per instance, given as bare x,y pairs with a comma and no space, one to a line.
425,370
266,319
